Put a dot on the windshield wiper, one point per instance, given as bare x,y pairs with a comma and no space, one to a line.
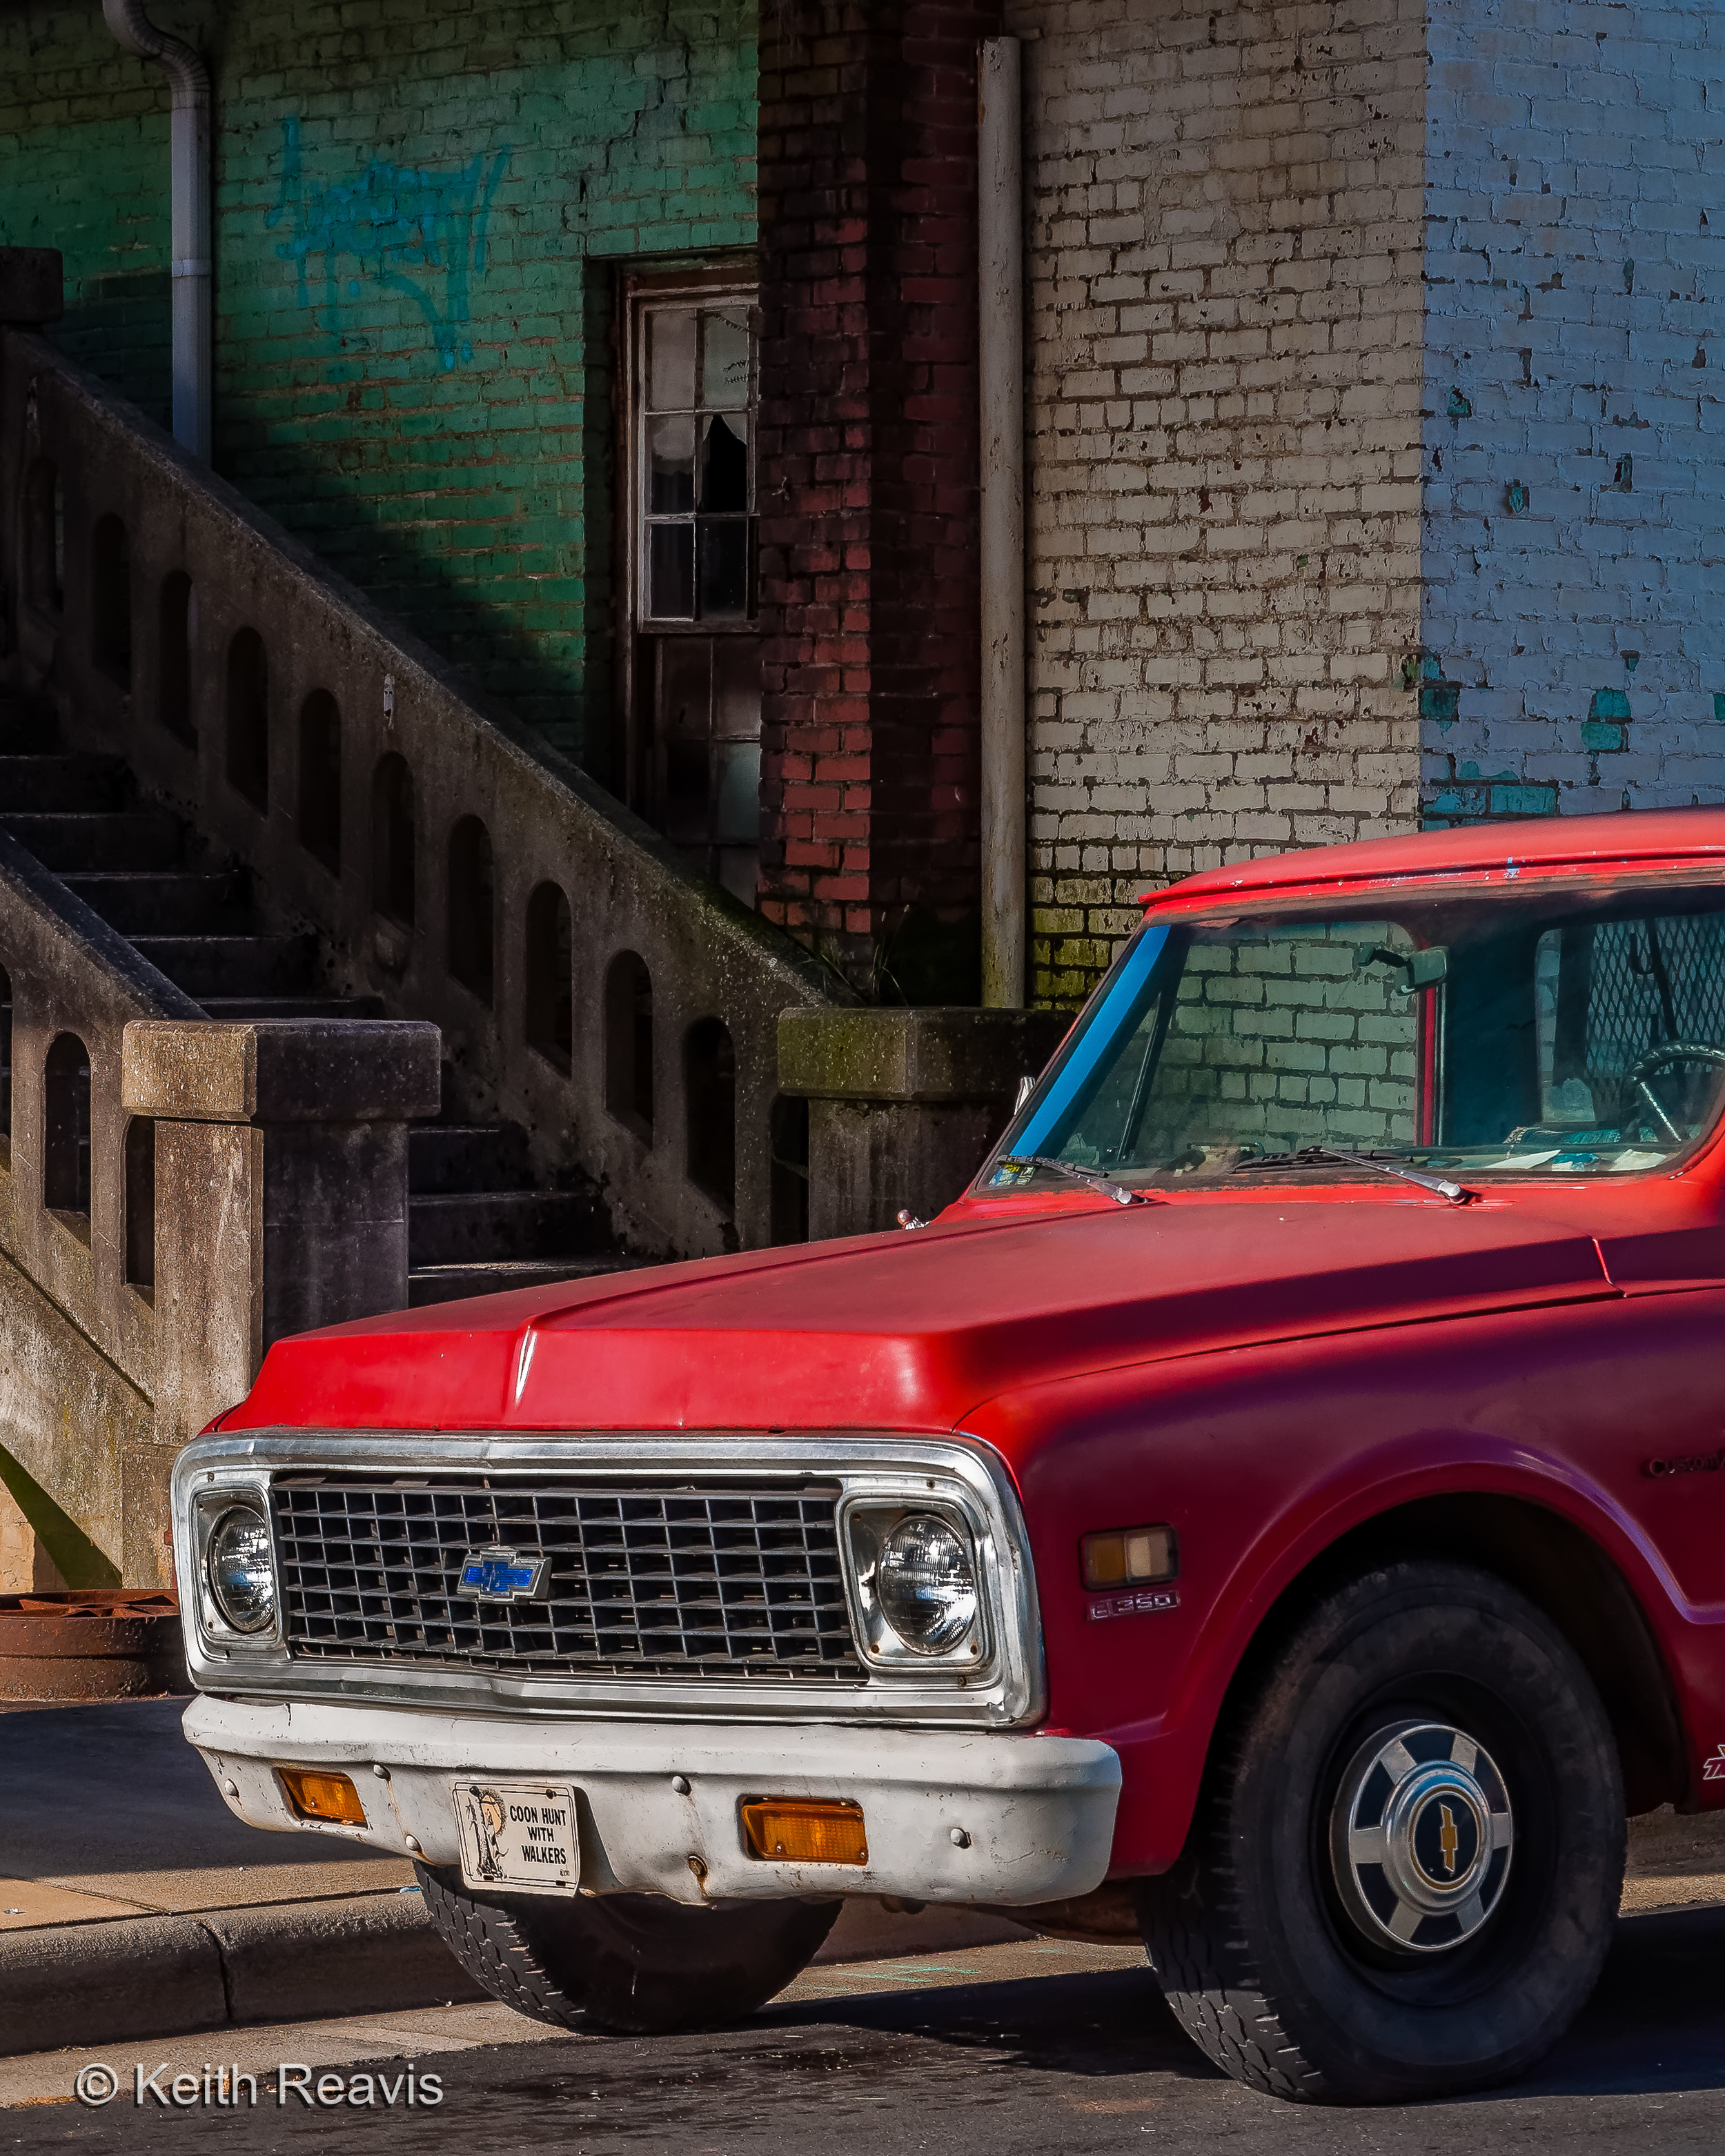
1439,1184
1096,1181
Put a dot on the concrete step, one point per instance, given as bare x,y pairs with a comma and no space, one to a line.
178,902
29,784
106,839
428,1284
468,1228
452,1157
235,1009
239,965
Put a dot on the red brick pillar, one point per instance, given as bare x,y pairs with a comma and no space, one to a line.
868,464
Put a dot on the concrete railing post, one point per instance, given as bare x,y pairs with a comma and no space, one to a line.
281,1187
903,1104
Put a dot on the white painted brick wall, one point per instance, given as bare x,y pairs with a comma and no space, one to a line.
1567,142
1224,208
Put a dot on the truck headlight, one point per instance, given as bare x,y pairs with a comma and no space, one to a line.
239,1569
927,1586
917,1585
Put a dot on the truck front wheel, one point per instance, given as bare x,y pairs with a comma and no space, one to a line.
1407,1862
635,1963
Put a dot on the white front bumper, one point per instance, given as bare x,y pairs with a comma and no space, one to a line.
951,1816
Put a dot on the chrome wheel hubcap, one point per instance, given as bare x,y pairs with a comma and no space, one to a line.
1421,1837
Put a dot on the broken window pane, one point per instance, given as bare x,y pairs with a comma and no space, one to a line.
725,465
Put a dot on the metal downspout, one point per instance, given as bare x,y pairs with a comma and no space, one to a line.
188,197
1001,354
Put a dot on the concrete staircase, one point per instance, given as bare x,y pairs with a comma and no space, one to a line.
477,1221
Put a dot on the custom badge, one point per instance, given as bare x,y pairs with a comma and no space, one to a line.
1714,1769
499,1573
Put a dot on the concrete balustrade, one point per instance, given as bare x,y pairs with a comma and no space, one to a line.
350,768
277,1200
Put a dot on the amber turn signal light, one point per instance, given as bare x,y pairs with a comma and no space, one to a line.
805,1829
1127,1557
322,1796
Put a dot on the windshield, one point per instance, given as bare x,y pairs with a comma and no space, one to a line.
1543,1033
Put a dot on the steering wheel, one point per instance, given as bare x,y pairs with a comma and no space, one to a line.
1669,1051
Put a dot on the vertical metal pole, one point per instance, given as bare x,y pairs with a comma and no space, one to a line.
188,154
1001,286
189,214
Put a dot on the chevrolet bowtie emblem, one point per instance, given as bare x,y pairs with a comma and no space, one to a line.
1449,1840
498,1574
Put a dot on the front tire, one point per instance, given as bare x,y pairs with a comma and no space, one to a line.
1406,1865
636,1963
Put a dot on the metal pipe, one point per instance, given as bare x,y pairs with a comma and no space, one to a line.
188,200
1001,292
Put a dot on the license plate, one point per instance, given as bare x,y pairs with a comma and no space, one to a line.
518,1835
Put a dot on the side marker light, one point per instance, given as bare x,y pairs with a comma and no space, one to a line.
805,1830
322,1796
1129,1556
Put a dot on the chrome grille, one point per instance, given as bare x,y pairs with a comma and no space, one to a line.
709,1580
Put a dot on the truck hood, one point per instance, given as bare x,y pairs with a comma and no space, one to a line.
914,1331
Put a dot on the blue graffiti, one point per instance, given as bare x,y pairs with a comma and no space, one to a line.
393,220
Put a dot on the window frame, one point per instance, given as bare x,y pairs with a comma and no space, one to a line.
640,291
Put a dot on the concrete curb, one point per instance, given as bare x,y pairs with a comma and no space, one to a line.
294,1961
168,1976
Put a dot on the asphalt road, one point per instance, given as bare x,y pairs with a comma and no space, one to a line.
1073,2062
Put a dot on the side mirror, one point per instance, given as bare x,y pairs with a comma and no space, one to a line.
1419,969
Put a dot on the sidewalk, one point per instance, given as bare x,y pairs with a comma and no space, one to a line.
133,1903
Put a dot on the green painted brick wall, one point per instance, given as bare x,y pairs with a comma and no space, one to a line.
419,215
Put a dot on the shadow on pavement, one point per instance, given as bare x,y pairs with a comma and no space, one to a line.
1654,2022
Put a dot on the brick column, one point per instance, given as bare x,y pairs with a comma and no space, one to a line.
869,486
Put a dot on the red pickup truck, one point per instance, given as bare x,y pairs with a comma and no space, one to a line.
1276,1512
